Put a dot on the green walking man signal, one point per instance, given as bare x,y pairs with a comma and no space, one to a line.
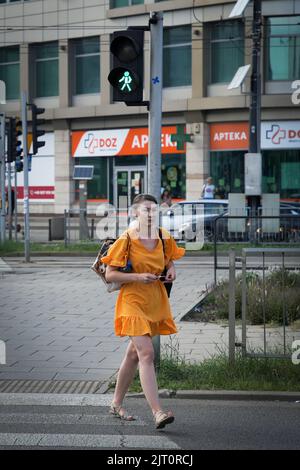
127,79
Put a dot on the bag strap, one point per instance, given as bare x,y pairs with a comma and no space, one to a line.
161,237
128,244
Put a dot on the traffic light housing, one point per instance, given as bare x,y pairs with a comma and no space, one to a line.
14,150
36,132
127,72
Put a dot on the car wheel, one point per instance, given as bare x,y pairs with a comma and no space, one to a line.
209,235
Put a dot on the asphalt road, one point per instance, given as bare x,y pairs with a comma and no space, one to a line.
199,424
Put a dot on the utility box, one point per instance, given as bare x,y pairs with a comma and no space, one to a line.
253,174
56,228
237,207
271,206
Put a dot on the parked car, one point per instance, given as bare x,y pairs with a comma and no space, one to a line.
289,224
188,219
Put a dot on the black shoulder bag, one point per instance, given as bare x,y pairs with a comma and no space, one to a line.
168,285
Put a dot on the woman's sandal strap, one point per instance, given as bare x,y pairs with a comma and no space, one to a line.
116,411
162,418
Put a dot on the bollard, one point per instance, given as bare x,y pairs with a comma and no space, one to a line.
231,306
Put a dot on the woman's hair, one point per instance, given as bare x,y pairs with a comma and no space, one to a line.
144,197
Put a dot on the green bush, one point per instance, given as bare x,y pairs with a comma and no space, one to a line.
279,293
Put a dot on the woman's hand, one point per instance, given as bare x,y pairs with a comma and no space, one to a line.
170,274
146,278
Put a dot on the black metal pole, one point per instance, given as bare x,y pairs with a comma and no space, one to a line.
255,104
255,98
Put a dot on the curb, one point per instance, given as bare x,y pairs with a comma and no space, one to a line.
225,395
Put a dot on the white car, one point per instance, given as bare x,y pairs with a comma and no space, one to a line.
186,218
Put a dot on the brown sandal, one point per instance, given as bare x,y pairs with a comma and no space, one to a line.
162,418
121,413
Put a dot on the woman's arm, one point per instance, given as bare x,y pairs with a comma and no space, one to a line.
114,275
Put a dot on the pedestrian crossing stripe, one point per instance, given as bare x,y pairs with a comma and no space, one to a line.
99,441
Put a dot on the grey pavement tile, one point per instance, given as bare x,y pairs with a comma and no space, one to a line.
16,368
42,364
90,341
108,364
96,334
79,369
61,343
65,375
42,355
83,364
32,375
61,354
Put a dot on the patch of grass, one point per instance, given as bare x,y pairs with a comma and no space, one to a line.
11,247
216,373
281,289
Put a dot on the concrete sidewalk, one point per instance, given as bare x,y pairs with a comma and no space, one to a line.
57,323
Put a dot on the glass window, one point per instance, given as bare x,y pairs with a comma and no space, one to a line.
124,3
227,171
226,50
173,175
97,188
87,65
177,56
283,48
281,172
10,71
46,69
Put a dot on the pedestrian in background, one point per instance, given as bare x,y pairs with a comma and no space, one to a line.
208,189
142,308
166,198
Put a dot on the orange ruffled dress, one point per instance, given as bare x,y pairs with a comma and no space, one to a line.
143,308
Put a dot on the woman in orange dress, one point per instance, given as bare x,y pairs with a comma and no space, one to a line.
142,308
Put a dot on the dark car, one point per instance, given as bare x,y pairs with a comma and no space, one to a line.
203,219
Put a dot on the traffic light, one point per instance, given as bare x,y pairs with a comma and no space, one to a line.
36,144
14,150
19,150
127,73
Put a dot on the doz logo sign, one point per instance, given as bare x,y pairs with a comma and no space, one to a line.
276,134
280,134
92,142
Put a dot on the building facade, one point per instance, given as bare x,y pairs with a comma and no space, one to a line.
58,51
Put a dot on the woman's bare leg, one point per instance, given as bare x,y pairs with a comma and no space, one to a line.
145,351
126,374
